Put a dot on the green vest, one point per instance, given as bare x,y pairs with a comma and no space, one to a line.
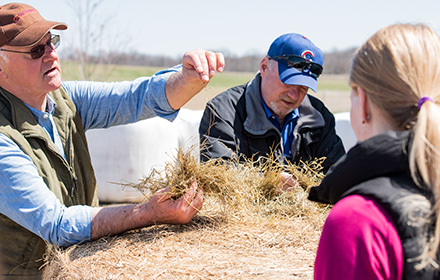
72,181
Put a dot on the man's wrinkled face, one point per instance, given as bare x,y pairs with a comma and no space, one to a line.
22,74
281,98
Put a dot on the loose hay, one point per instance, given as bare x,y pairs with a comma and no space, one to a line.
244,231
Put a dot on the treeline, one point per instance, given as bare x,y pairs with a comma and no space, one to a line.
336,62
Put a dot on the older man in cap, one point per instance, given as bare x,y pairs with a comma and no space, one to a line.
47,185
272,115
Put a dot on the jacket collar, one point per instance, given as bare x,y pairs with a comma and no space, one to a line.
379,156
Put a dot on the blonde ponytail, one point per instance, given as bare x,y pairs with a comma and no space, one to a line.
425,159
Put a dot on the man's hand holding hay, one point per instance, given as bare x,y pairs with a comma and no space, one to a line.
160,209
166,210
288,183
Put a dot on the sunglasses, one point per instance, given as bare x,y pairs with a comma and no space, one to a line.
301,63
38,51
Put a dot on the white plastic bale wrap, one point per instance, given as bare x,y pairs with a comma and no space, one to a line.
344,130
125,154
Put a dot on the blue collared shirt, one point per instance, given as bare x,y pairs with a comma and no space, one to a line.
27,200
287,130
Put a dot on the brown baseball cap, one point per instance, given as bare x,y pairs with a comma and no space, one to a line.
22,25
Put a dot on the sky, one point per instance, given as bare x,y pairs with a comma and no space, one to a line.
239,27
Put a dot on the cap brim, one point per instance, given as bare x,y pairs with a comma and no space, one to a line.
34,33
293,76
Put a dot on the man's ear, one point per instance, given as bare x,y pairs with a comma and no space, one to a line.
2,74
264,66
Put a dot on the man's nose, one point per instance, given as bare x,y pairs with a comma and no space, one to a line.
293,92
296,91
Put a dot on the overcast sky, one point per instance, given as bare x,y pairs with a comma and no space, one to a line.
243,26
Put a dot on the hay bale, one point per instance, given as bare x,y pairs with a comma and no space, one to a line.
244,231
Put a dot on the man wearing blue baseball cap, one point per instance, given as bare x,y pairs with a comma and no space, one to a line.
272,115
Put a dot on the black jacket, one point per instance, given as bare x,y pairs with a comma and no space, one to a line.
235,123
379,168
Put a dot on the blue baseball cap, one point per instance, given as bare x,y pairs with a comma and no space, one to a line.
296,45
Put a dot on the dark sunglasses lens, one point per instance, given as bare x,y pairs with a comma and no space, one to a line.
299,65
296,59
302,64
38,51
316,69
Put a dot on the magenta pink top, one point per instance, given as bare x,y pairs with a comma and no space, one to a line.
359,241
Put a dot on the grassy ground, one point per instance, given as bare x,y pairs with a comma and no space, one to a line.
333,89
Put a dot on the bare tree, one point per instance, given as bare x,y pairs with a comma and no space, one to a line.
95,39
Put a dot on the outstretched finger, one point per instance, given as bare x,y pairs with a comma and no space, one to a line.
205,63
220,62
211,59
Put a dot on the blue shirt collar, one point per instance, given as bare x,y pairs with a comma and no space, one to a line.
50,108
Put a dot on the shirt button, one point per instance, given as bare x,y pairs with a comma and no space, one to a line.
45,116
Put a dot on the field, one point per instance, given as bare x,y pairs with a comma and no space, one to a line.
332,89
237,235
